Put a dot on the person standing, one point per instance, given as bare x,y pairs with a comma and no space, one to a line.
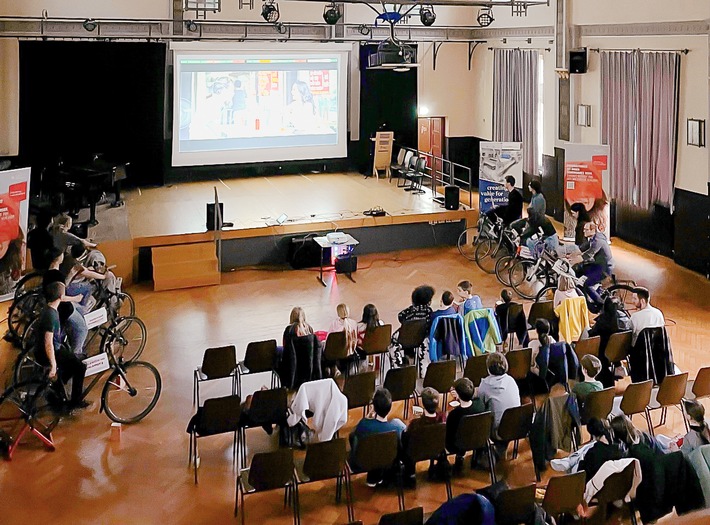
513,210
538,205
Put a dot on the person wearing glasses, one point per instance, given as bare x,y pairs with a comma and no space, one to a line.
597,261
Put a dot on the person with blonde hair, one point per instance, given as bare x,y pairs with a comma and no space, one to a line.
566,289
302,352
343,323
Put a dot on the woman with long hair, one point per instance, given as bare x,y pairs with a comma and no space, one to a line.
579,213
369,321
699,433
343,323
301,358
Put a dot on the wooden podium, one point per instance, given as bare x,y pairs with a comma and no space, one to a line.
384,141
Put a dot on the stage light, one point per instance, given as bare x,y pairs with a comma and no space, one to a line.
270,11
191,26
427,15
90,24
485,17
281,29
331,14
423,111
364,30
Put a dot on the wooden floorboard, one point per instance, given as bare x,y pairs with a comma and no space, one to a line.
145,479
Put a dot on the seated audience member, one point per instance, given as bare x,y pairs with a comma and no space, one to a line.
421,305
699,433
343,323
301,357
603,449
542,329
40,242
376,423
445,308
431,415
519,325
498,391
565,290
611,320
591,366
647,316
369,321
468,405
467,300
627,436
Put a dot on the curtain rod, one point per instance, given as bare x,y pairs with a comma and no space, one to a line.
523,48
684,51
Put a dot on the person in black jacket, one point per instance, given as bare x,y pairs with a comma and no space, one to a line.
514,209
603,449
581,215
611,320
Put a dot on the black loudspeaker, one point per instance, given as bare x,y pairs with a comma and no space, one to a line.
210,216
304,252
578,61
451,197
346,264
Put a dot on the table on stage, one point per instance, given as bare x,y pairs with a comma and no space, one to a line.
324,243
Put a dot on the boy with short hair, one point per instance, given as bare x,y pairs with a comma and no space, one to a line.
591,366
431,416
469,301
446,308
468,405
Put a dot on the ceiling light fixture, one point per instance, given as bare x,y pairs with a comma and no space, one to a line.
270,11
364,30
331,13
427,15
485,17
191,26
90,24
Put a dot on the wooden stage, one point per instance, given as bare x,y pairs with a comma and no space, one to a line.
175,214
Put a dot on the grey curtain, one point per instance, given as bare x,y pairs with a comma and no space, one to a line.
639,110
515,101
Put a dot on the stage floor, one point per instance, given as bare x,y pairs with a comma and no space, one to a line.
179,209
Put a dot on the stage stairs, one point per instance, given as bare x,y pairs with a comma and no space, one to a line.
185,266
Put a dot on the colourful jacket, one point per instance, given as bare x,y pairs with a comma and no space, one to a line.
574,318
447,336
482,332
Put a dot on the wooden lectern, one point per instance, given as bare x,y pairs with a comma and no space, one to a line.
384,141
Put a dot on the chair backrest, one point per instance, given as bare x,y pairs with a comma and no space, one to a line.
519,363
440,376
376,451
400,156
260,356
515,506
599,404
541,310
564,494
426,442
514,310
516,422
219,362
383,149
618,346
474,431
636,397
376,341
421,165
412,333
413,516
701,385
271,470
336,346
412,161
219,415
325,460
588,346
672,389
360,388
476,369
401,382
268,406
616,486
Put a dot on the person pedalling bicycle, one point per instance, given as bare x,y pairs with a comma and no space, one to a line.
597,261
540,225
513,210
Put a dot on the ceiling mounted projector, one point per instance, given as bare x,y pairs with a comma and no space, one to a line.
394,55
427,15
270,11
331,14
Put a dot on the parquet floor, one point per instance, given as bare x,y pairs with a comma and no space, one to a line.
144,478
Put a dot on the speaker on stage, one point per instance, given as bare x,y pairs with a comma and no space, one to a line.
451,197
210,216
346,264
578,61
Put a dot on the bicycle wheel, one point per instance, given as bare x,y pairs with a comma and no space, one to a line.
22,312
524,280
467,243
125,305
546,294
131,392
503,265
125,339
485,251
624,293
32,401
29,283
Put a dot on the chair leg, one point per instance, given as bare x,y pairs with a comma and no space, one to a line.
685,420
234,450
515,449
349,495
195,458
189,453
491,464
239,383
296,505
647,413
400,486
194,387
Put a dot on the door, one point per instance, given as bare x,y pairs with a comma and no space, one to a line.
424,143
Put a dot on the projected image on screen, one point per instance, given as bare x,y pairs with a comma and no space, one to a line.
228,104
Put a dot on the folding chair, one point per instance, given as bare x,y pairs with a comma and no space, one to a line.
514,310
474,433
476,369
410,162
636,399
217,363
417,176
413,516
260,357
218,416
378,452
669,394
400,164
515,425
515,506
599,404
376,342
564,494
587,346
701,385
519,362
440,376
402,384
428,442
616,487
618,346
268,408
336,349
541,310
359,390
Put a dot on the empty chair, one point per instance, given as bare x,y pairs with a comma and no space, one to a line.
701,385
268,471
377,452
427,442
410,165
267,408
476,369
598,404
474,433
402,383
413,516
376,342
587,346
514,311
515,425
359,390
441,376
542,310
217,363
636,399
400,163
327,460
260,357
417,176
218,416
669,394
411,336
564,494
515,506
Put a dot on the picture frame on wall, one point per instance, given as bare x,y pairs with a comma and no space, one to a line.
695,132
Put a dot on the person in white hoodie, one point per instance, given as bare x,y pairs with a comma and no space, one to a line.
498,391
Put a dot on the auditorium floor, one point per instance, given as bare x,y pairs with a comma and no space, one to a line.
144,478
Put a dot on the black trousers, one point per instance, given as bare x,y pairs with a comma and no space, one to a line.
69,366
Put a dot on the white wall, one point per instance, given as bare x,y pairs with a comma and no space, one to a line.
9,96
637,11
89,8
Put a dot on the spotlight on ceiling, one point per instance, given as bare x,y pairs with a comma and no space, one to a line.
191,26
281,28
364,30
485,17
331,14
270,11
90,24
427,15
